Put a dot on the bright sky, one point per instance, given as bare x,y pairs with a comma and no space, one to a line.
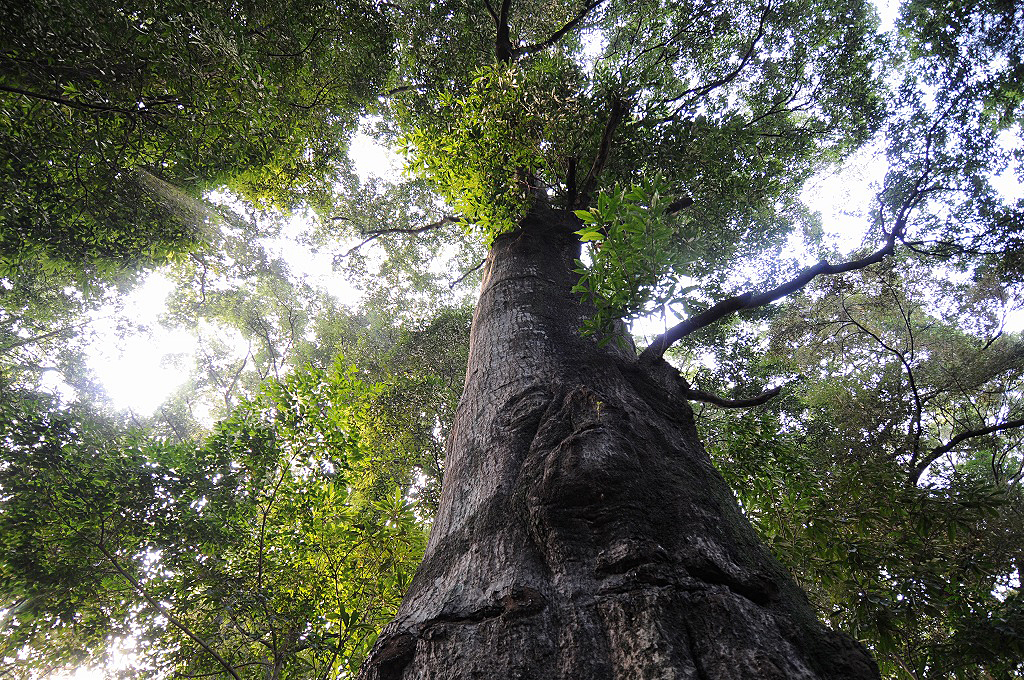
134,367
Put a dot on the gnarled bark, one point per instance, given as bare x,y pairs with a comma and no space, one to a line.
583,532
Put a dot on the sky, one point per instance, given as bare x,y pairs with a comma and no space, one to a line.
140,369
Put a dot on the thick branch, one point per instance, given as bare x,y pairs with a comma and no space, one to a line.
709,398
738,303
940,451
557,35
678,205
620,108
88,106
503,33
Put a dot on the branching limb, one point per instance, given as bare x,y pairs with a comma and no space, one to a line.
152,601
44,336
89,106
466,273
745,60
557,35
407,88
749,300
915,427
940,451
714,399
619,111
377,233
503,33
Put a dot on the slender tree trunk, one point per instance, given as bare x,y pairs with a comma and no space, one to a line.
583,532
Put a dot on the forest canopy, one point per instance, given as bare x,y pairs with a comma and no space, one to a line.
863,400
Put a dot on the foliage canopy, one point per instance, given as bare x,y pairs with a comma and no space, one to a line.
886,472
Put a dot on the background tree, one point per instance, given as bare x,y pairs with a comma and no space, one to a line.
276,549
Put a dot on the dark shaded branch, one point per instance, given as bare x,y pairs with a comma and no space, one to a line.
570,184
940,451
88,106
915,428
714,399
749,300
503,33
44,336
557,35
466,273
678,205
620,109
490,10
374,235
732,75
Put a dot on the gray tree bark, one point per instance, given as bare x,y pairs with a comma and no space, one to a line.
583,532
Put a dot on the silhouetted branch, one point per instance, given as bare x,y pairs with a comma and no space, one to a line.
465,274
940,451
141,590
373,235
732,75
557,35
714,399
89,106
749,300
620,109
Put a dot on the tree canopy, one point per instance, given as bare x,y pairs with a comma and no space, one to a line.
877,449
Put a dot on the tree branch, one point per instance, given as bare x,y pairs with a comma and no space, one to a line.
87,106
44,336
503,33
557,35
466,273
490,9
749,300
620,109
940,451
374,235
141,590
714,399
732,75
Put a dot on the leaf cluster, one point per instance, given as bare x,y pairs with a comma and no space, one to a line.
277,548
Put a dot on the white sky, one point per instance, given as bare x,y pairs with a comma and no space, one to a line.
134,367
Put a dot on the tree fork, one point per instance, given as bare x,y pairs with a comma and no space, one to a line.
583,531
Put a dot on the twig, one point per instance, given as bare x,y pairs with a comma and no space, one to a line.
465,274
374,235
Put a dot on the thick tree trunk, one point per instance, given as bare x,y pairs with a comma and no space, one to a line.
583,532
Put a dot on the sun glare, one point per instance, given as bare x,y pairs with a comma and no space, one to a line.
132,365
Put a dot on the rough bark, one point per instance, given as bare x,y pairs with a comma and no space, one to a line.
583,532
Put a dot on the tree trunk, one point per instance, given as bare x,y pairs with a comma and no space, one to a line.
583,532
